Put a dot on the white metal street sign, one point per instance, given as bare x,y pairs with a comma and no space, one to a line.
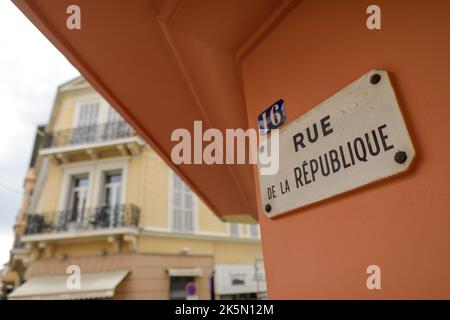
353,138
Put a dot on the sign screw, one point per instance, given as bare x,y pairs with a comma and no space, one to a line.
268,208
400,157
375,78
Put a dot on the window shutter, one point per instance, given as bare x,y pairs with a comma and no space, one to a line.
234,229
254,232
113,115
88,114
189,211
182,206
177,205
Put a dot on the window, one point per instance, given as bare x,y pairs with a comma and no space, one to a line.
178,287
254,230
88,114
112,189
76,212
113,115
85,130
182,205
234,229
108,215
115,127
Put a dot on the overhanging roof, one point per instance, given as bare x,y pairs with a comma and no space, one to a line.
165,63
93,286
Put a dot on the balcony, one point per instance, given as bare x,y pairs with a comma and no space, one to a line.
89,219
91,142
86,135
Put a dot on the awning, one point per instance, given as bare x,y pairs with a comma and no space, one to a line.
93,286
184,272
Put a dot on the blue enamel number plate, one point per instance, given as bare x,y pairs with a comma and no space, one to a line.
272,118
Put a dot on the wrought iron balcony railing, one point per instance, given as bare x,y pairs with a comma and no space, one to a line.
104,217
88,134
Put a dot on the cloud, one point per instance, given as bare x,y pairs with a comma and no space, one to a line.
30,70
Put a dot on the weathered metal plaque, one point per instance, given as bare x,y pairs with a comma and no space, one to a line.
353,138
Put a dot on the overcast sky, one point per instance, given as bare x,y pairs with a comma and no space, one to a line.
30,70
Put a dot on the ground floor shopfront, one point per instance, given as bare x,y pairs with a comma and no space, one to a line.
140,276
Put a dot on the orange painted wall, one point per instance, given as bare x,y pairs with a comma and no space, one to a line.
401,224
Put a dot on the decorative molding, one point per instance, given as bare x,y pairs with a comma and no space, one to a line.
131,240
116,243
93,154
197,236
123,150
63,158
30,240
81,147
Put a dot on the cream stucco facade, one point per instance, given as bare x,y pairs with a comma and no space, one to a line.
102,199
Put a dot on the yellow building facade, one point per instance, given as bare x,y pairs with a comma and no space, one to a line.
101,202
